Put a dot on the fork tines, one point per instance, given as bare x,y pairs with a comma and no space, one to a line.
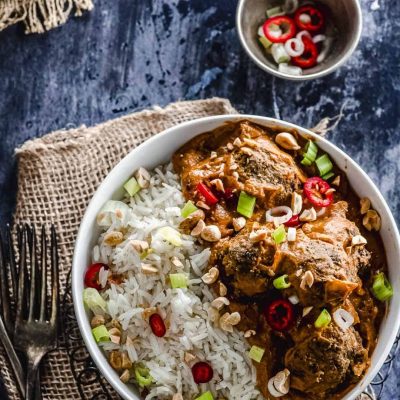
33,302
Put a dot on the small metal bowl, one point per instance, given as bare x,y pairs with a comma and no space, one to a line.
346,17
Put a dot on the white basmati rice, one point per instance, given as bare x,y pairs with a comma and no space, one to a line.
189,325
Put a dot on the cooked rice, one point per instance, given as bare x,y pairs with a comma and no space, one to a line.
190,327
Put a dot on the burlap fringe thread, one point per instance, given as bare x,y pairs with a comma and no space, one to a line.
40,15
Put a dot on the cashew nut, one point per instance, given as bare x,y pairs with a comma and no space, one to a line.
211,276
308,215
238,223
113,238
220,302
307,280
228,321
287,141
211,233
143,178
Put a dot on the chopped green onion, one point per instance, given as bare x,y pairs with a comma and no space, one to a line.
256,353
92,298
327,176
132,186
265,42
178,280
171,235
381,288
246,204
205,396
279,53
143,377
146,253
311,151
279,234
323,320
274,12
101,334
188,209
281,282
324,164
306,161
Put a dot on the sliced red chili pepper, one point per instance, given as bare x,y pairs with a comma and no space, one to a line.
293,222
316,190
202,372
92,275
316,22
208,195
286,24
280,315
157,325
309,57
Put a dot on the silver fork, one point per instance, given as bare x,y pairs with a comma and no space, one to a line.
7,257
36,323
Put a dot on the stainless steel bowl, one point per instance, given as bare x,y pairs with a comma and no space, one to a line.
347,19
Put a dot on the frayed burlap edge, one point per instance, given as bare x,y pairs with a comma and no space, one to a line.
40,15
57,176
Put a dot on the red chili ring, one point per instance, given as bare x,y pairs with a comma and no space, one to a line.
207,193
280,315
293,222
283,22
92,275
309,57
317,19
315,190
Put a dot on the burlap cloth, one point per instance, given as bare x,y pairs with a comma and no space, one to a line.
39,16
57,176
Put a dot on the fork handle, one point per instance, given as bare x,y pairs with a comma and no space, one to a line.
31,375
14,360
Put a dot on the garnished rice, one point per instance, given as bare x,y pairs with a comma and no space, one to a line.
186,312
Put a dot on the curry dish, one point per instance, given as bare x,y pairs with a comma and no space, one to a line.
292,281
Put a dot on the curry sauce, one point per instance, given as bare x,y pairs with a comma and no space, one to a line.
326,362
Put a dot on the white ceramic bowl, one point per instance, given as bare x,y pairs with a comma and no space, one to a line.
158,150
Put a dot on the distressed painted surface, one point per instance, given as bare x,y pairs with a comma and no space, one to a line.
127,55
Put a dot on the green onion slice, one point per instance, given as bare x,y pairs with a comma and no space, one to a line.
324,164
274,12
188,209
246,204
205,396
171,235
279,234
92,298
256,353
101,334
311,151
178,280
132,186
381,288
143,377
323,320
265,42
281,282
327,176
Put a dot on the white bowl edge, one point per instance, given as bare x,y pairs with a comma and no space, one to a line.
161,147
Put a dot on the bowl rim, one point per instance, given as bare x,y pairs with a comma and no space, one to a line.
81,243
239,11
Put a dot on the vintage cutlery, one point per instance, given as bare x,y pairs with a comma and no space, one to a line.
36,322
5,317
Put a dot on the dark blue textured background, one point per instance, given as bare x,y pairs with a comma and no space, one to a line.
129,54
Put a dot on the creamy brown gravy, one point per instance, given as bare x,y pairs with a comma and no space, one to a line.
334,361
